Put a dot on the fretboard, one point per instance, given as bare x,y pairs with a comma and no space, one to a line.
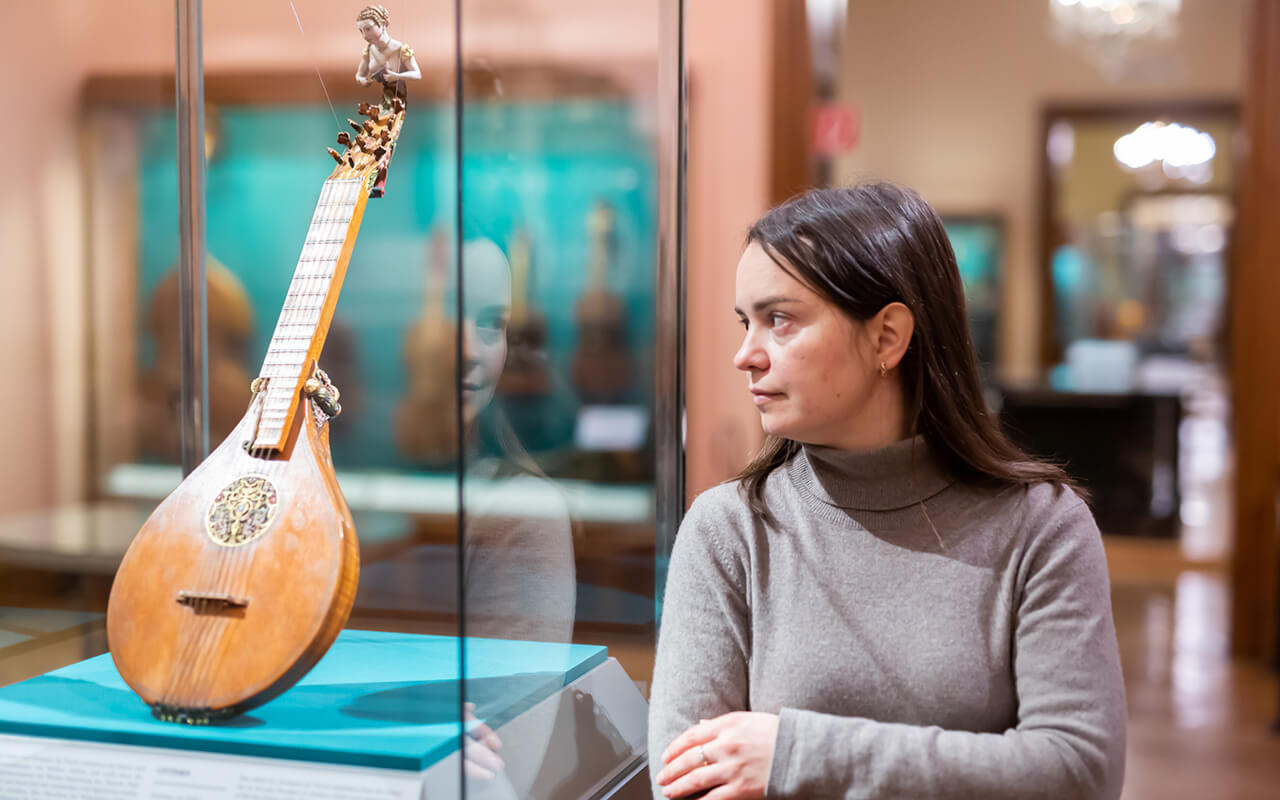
308,307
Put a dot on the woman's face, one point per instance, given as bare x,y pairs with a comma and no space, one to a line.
487,303
810,366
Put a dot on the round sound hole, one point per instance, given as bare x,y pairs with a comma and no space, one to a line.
242,511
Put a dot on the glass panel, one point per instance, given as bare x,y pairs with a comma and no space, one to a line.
560,215
279,87
495,339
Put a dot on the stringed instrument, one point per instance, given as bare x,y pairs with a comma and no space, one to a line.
241,579
230,322
425,421
526,374
602,367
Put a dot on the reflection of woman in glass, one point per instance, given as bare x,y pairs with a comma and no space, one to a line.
519,575
892,600
517,548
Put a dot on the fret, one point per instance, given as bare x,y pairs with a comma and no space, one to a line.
331,230
324,238
314,284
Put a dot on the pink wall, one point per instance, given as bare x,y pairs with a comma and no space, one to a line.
729,73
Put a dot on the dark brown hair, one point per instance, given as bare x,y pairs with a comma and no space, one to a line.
862,248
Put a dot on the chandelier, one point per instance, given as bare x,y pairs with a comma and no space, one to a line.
1111,31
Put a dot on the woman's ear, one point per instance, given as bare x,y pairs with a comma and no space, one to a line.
892,329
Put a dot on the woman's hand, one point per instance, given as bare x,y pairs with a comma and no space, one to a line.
481,760
730,754
391,75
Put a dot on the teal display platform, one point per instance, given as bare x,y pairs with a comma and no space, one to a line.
375,700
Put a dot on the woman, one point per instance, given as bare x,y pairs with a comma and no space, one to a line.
891,600
518,569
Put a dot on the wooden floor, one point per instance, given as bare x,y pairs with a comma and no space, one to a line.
1199,725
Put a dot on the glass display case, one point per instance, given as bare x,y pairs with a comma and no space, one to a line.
447,351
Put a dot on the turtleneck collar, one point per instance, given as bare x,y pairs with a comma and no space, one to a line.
902,474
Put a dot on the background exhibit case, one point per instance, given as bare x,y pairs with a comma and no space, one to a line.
506,345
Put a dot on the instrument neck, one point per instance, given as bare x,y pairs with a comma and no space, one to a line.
308,308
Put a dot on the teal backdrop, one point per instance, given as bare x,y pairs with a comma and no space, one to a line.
535,165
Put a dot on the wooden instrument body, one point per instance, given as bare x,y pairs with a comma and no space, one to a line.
205,660
526,375
230,323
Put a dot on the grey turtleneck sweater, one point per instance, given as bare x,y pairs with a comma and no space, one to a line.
917,636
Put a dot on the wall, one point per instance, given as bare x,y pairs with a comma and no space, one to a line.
950,96
729,116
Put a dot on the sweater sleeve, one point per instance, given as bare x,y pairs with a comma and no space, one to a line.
700,670
1069,738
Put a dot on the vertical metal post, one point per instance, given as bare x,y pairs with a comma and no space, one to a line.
193,335
669,405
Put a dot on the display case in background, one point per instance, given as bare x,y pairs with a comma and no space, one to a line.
979,244
506,346
1137,223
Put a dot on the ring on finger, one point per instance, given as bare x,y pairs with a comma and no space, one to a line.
703,752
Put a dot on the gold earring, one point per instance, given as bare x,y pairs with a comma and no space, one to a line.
884,371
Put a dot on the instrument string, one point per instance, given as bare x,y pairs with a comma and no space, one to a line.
314,66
